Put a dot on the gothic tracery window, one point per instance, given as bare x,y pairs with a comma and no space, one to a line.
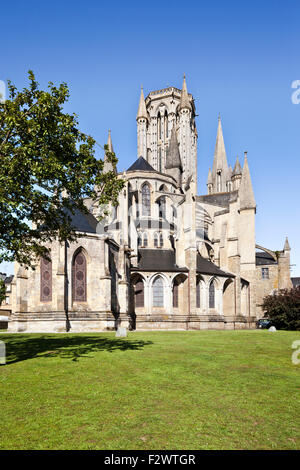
198,298
146,205
212,295
175,293
158,292
79,278
46,280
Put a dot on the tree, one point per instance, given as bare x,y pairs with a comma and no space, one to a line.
2,290
283,309
48,166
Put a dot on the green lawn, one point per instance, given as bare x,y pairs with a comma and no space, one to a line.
151,390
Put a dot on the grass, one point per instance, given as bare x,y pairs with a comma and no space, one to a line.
151,390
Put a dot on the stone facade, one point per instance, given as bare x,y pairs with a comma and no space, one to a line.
165,257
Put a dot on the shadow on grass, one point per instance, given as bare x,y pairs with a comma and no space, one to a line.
23,347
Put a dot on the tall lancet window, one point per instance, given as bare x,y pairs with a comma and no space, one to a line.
146,205
166,125
162,207
219,186
158,292
46,280
212,295
159,126
198,298
79,277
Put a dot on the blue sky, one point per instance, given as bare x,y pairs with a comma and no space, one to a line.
240,59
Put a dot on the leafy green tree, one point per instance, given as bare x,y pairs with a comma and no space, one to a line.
283,309
48,166
2,290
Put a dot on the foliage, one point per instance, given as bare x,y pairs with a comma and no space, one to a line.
2,290
283,309
48,166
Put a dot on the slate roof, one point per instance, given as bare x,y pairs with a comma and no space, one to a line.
157,260
295,281
205,266
82,222
141,165
8,279
263,258
218,199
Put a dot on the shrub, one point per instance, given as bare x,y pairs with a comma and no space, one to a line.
283,309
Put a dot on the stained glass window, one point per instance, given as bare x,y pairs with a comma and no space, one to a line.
46,280
79,277
212,295
198,299
158,292
175,293
146,206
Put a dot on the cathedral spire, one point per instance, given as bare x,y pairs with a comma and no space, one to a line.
286,245
142,112
184,101
108,166
247,199
220,165
109,142
209,177
237,168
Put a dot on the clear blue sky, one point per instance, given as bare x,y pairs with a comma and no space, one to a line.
240,59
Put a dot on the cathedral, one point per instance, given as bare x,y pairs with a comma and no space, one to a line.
165,258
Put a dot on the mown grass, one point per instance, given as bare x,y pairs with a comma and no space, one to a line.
151,390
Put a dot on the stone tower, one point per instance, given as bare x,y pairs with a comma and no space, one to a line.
162,111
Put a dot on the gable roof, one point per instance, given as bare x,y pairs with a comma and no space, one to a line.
262,258
157,260
141,165
205,266
82,222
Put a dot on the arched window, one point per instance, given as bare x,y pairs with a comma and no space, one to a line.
79,277
46,280
145,240
161,240
219,187
159,126
175,293
212,295
162,207
139,293
158,292
139,240
146,206
155,239
198,298
166,125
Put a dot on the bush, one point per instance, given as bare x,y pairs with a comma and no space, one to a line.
283,309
